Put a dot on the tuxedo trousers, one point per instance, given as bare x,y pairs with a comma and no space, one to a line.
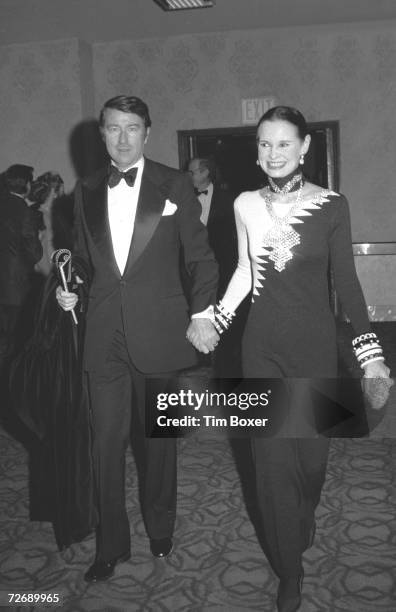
290,473
117,400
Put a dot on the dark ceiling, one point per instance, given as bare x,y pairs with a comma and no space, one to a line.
105,20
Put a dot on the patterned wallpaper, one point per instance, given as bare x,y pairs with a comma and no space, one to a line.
39,105
345,72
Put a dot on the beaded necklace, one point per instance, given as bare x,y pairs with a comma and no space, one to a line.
281,236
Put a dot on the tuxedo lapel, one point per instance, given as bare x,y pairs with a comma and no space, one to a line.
96,216
212,210
150,206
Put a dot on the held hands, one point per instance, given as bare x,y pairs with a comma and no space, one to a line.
202,334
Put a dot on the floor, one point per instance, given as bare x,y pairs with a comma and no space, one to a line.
217,564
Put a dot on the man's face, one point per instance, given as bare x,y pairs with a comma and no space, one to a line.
199,176
124,135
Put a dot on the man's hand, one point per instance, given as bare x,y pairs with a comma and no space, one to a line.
376,384
66,299
203,335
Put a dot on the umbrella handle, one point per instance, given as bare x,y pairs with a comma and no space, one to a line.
56,255
63,277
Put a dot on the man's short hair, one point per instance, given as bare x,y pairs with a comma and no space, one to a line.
127,104
17,178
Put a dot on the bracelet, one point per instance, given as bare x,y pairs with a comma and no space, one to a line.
380,358
369,356
364,337
222,318
369,352
373,346
367,349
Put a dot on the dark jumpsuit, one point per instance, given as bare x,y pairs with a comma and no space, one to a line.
291,333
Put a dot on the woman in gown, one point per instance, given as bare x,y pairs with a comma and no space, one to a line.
288,233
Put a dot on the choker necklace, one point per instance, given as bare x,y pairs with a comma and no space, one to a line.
290,185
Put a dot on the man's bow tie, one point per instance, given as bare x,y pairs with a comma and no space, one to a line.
116,175
198,192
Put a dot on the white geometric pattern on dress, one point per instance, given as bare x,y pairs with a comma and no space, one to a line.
258,274
282,237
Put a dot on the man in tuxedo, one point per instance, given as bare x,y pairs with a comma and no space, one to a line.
133,221
20,249
217,214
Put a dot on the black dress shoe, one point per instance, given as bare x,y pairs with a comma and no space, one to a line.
289,594
103,570
162,547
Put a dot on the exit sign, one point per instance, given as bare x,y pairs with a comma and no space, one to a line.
254,108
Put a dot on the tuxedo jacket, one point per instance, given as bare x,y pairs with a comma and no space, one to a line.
20,248
222,233
149,293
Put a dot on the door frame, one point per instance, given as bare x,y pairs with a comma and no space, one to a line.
187,144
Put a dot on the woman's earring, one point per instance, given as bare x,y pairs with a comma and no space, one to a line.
302,156
257,162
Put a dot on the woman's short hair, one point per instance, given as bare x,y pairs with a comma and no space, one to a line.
127,104
289,114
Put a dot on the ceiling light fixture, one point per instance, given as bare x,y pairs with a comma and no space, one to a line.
176,5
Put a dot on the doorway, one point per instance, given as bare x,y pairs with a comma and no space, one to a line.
234,151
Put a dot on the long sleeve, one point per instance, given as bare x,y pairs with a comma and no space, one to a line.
346,282
79,241
241,281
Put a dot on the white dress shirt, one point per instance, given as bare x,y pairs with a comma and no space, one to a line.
122,203
206,199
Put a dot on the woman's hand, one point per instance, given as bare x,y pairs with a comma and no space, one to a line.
376,384
376,369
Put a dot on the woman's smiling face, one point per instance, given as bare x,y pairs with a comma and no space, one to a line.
280,147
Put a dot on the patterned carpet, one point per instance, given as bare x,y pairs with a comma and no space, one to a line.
217,564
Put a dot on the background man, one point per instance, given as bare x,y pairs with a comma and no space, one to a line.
217,214
133,220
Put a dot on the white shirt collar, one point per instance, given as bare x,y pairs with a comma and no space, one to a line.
139,165
209,189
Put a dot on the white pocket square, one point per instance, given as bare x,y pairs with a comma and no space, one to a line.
170,208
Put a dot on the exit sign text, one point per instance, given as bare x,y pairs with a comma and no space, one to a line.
254,108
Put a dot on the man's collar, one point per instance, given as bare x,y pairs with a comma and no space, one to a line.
207,190
139,165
